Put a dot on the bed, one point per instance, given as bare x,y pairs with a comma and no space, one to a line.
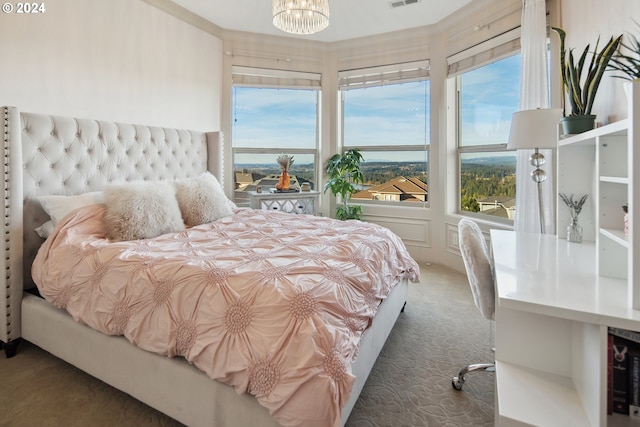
48,155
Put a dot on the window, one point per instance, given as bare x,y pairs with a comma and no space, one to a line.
487,83
385,114
274,112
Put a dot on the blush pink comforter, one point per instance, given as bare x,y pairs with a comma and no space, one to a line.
271,303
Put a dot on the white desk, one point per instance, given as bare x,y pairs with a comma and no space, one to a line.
552,314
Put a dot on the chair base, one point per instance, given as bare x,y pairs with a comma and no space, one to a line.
458,381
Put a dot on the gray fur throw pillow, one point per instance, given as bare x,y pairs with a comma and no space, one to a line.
141,210
201,199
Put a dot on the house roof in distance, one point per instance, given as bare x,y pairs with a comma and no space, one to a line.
397,186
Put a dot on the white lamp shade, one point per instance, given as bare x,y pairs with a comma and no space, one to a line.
534,129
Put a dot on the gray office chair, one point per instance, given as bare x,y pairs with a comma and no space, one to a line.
477,263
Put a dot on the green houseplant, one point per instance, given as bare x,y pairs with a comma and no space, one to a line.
581,80
344,172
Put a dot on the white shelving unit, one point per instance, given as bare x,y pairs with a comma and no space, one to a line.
604,154
556,299
601,163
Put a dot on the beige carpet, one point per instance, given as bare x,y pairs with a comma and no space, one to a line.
410,385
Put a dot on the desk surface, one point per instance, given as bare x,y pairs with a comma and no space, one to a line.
546,275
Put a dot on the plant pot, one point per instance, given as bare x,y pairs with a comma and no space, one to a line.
572,125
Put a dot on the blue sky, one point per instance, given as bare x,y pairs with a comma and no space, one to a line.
387,115
490,96
269,118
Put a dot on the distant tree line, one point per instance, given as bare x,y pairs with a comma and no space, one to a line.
479,181
376,173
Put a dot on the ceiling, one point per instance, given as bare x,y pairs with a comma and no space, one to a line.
348,18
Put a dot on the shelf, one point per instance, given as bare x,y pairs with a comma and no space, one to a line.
618,128
615,179
616,235
536,398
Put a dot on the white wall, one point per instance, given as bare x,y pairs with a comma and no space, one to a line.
118,60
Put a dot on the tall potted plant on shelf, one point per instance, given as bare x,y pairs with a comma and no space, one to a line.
581,80
344,174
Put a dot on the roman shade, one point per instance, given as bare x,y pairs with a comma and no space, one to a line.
265,77
499,47
383,75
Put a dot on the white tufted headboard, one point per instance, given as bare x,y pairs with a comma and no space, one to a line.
48,155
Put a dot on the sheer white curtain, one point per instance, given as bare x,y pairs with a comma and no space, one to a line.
534,93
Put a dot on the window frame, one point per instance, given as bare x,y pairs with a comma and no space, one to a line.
262,78
483,54
417,71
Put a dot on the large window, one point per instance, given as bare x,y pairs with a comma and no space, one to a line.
273,113
488,89
385,114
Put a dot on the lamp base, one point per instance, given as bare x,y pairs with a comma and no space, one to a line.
539,176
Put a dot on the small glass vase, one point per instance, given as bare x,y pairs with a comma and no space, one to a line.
574,231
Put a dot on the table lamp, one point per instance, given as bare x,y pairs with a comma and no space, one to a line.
535,129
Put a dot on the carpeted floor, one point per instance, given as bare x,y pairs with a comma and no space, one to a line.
410,385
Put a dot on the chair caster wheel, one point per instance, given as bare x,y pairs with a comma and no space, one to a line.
457,383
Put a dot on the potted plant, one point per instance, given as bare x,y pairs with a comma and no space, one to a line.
581,81
344,172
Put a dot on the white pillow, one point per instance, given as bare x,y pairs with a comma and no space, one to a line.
57,207
141,210
201,199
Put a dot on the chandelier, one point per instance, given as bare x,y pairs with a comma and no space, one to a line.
301,16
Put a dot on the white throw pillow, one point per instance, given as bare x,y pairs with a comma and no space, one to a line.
201,199
57,207
141,210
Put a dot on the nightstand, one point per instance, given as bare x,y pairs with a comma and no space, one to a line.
303,202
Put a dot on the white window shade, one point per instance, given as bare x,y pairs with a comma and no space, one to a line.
383,75
263,77
484,53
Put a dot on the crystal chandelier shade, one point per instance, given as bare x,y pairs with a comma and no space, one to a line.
301,16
